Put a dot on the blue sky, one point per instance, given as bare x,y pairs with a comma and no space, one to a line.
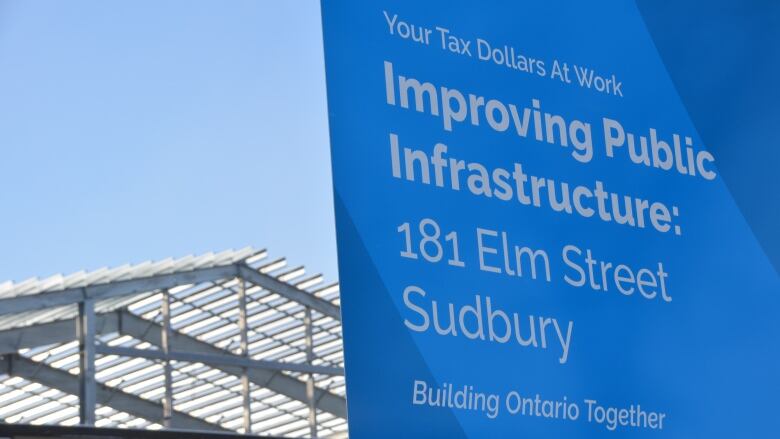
135,130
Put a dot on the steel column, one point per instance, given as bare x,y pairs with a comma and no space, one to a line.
244,330
166,336
307,321
86,336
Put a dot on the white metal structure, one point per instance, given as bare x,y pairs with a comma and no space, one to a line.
231,341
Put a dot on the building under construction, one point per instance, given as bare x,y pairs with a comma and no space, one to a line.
227,343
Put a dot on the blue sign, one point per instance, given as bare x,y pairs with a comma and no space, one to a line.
542,231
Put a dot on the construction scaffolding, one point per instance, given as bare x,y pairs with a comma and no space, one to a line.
230,342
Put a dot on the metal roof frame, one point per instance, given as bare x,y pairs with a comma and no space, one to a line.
220,342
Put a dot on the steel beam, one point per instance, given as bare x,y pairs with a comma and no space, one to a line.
48,376
288,291
14,305
223,358
61,331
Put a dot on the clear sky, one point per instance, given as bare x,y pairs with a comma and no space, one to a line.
142,129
